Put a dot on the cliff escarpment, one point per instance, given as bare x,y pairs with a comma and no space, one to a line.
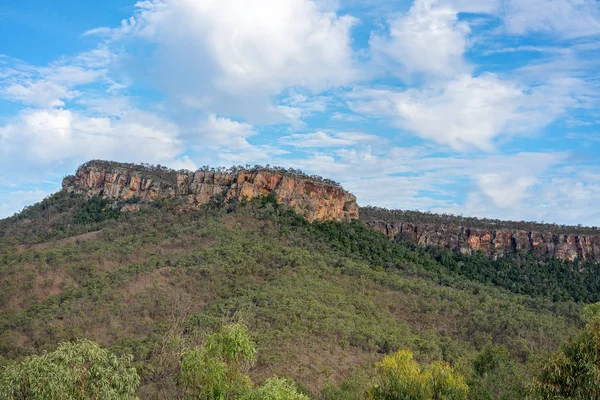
312,197
492,237
320,199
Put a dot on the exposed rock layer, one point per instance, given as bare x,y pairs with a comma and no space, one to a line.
316,200
493,242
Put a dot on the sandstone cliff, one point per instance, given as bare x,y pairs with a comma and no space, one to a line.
313,198
318,199
493,242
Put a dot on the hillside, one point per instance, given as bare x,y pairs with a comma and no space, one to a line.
323,300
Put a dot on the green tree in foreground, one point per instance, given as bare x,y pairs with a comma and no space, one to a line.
574,371
81,370
402,378
217,370
496,376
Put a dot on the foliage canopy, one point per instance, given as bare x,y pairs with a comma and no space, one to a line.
80,370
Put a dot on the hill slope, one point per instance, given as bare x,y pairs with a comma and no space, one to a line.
324,300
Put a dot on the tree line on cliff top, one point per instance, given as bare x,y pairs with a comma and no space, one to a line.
367,213
167,174
370,213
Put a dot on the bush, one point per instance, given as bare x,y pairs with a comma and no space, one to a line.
276,389
217,369
574,371
402,378
81,370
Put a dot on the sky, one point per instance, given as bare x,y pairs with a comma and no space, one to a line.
487,108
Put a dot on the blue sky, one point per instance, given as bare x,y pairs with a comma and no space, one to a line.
487,108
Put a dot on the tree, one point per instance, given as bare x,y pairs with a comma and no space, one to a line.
80,370
574,371
402,378
216,370
496,376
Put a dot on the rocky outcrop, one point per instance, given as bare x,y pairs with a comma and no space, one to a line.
314,199
493,242
318,199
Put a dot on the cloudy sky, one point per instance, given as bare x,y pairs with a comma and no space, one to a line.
475,107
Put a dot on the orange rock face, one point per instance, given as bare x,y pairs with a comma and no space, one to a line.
493,242
315,200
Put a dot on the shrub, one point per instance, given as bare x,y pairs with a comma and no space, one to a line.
402,378
81,370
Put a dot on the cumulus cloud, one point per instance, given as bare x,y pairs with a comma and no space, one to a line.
526,185
553,198
506,181
229,71
43,137
218,132
429,39
50,86
233,56
468,112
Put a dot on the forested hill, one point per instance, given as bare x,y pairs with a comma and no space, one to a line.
322,301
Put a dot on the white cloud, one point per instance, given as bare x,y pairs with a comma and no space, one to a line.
42,93
554,198
223,141
328,139
44,137
184,162
251,154
233,55
465,113
295,105
566,18
474,6
507,181
51,86
430,39
522,186
218,132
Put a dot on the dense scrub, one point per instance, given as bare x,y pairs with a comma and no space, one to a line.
557,280
323,301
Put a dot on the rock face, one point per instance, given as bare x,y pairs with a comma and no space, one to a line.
318,199
494,243
314,199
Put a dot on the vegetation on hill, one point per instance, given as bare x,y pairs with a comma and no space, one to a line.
323,302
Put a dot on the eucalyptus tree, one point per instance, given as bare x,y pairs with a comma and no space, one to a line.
81,370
